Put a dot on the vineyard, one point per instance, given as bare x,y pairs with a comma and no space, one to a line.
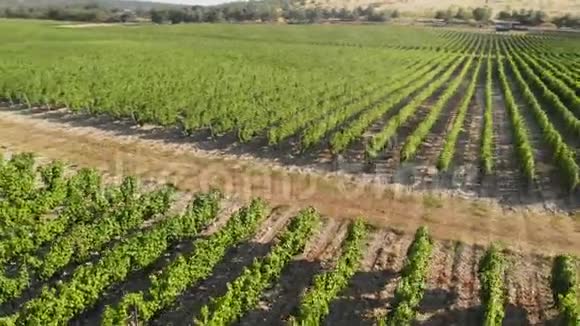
79,250
251,174
479,113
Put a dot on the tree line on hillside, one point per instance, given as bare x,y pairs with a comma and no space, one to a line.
268,11
265,12
82,13
528,17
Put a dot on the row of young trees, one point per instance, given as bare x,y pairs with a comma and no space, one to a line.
83,13
528,17
267,12
263,11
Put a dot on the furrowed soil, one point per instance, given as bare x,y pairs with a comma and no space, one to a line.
117,149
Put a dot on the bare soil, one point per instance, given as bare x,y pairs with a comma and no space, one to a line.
118,149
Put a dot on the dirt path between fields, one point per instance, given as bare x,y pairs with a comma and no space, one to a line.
473,222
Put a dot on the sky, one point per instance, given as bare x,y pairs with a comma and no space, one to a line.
190,2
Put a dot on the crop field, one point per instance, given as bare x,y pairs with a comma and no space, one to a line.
485,114
81,251
250,175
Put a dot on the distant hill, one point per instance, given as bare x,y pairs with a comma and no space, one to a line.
426,6
124,4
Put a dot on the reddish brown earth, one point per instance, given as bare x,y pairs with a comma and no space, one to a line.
334,195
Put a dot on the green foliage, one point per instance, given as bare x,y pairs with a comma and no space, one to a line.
380,140
524,149
415,140
244,292
482,14
448,150
524,16
487,133
406,86
411,287
185,271
492,293
564,156
59,304
315,303
565,289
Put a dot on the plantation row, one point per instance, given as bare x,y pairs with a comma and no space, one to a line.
324,96
68,240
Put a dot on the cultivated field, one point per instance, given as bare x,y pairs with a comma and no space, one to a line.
76,250
480,114
381,130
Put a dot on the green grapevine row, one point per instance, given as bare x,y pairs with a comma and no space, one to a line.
84,202
315,303
342,139
416,138
244,292
564,157
82,239
520,131
492,293
566,94
565,289
411,287
186,271
312,134
58,305
379,141
571,122
448,151
308,117
487,133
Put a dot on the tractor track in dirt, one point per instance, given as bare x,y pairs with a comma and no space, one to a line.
117,150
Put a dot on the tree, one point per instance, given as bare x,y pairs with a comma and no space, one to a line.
313,15
482,14
176,16
395,14
567,21
539,17
440,14
504,15
157,16
462,14
377,16
345,14
215,16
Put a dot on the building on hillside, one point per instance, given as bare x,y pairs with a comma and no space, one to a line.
507,25
431,21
